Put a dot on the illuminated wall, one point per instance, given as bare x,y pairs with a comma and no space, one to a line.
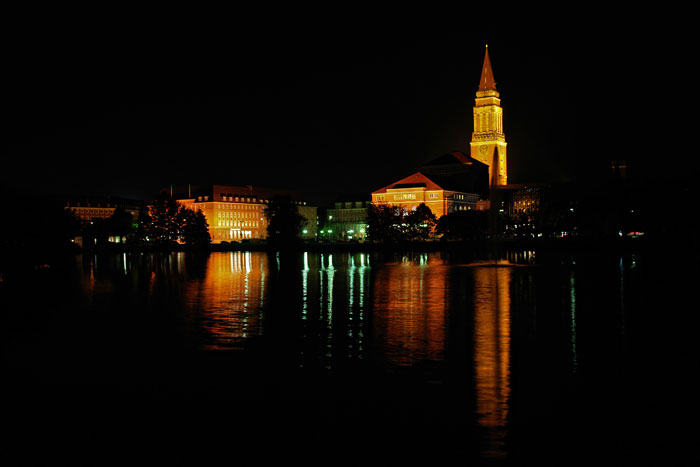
236,213
411,191
231,221
347,221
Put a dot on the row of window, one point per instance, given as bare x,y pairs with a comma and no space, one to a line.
237,214
242,199
431,196
236,223
246,199
240,207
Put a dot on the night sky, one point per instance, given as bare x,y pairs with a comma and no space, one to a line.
324,107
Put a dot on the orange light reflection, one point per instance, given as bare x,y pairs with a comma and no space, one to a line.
230,298
492,354
410,310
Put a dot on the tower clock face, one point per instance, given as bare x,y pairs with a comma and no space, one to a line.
483,149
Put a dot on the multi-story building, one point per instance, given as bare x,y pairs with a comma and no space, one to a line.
236,213
347,220
523,199
89,208
417,189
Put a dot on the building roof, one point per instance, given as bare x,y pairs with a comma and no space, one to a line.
453,158
434,182
518,186
455,171
417,180
103,201
459,171
487,81
216,191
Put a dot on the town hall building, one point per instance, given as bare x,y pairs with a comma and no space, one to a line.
459,181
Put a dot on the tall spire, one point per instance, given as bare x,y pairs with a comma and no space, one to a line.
487,82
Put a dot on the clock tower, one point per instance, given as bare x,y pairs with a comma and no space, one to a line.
488,144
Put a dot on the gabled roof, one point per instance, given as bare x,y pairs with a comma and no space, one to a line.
417,180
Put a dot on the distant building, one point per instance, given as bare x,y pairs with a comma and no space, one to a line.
523,199
442,198
536,209
347,220
89,208
236,213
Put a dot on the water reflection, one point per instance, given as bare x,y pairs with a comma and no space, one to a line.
333,308
227,303
492,354
572,301
521,256
410,309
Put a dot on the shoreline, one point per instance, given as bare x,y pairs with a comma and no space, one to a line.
485,245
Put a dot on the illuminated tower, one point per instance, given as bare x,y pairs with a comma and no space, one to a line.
488,144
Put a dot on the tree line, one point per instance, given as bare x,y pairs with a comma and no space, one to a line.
164,223
394,224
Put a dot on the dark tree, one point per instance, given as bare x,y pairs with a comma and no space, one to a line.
195,229
96,232
385,223
284,223
142,226
68,225
165,224
420,222
121,223
462,225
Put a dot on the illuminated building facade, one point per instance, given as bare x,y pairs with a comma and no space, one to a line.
236,213
457,181
347,220
488,144
416,189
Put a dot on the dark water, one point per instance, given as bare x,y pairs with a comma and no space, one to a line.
347,358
